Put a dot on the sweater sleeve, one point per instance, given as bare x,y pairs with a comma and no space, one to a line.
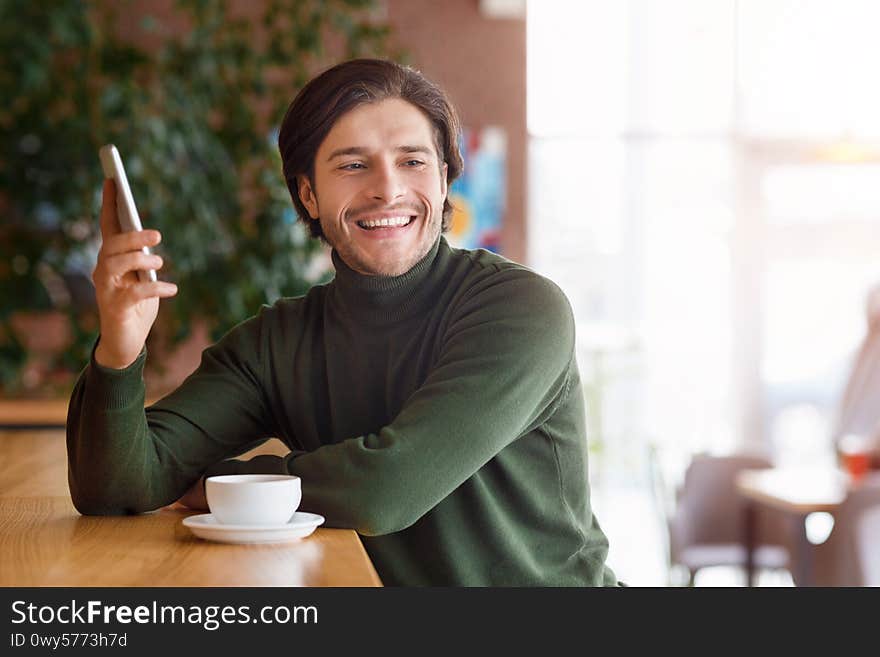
503,368
123,458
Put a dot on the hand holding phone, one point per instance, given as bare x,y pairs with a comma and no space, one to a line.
126,211
126,286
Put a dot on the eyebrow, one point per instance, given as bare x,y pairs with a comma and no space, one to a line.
359,150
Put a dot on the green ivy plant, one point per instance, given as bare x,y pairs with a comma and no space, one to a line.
194,116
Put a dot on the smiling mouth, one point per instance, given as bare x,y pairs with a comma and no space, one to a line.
386,223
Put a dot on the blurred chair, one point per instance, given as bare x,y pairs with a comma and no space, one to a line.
850,556
705,525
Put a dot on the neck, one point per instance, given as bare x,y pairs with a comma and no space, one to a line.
387,298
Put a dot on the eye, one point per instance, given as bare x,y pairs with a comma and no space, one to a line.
354,166
413,163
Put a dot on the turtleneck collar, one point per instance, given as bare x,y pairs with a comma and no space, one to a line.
389,298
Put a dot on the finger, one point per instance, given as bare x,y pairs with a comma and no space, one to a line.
109,219
131,261
130,241
141,291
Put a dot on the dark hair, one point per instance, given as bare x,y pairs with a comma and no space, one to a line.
341,89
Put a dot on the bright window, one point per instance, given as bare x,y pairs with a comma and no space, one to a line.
704,183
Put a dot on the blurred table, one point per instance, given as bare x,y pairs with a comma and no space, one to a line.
797,492
44,541
33,413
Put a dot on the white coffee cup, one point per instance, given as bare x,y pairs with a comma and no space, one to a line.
253,499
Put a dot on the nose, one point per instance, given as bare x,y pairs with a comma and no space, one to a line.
387,183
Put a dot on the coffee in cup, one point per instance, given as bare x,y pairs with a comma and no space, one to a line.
253,499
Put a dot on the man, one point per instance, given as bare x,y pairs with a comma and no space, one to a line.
429,395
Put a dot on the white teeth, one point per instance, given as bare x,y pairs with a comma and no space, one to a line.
378,223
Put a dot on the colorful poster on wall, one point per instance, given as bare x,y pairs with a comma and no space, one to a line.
478,196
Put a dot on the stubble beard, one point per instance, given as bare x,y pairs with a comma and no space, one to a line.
359,264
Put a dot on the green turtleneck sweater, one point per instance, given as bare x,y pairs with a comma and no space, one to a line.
439,413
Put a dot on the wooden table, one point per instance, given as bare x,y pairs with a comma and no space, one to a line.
33,413
45,542
797,492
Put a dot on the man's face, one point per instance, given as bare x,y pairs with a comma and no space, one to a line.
379,187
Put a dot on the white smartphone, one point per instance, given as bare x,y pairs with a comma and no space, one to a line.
126,210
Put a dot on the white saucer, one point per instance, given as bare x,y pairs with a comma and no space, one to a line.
206,526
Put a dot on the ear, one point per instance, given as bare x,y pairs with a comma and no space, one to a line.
307,195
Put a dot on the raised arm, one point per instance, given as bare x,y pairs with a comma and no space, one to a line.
118,462
125,459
